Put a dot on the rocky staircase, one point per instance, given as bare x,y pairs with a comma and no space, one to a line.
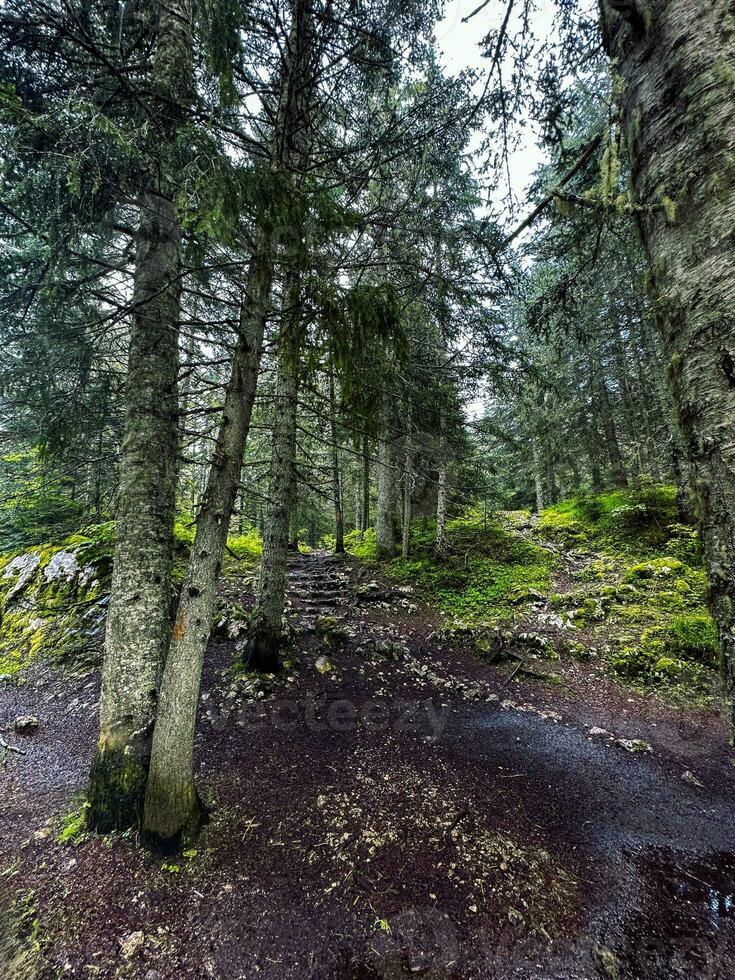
319,584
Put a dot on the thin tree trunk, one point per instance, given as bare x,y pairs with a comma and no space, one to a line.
630,415
407,500
137,632
442,492
339,528
365,483
675,60
677,452
385,533
608,424
266,632
538,480
358,495
551,483
172,806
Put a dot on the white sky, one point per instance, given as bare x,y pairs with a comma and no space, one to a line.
458,45
459,48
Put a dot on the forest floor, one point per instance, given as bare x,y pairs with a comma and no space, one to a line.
391,806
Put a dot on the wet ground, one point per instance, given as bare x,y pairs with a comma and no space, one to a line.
392,808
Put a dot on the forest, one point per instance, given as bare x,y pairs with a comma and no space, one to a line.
367,489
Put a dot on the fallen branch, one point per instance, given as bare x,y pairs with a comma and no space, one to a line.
460,816
523,668
10,748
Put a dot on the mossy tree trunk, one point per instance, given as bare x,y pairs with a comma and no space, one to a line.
442,490
676,60
172,807
266,630
137,633
291,155
677,453
538,479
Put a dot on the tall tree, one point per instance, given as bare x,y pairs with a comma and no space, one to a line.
676,61
138,618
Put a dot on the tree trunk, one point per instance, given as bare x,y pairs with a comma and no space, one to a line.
365,483
632,419
385,532
339,524
442,492
266,631
138,625
675,60
172,806
551,483
679,463
358,494
608,424
407,501
538,479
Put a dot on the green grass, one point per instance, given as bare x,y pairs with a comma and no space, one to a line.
640,595
650,580
486,572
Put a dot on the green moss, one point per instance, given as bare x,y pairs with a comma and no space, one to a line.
487,572
655,568
245,547
635,517
362,546
695,635
643,600
116,790
72,825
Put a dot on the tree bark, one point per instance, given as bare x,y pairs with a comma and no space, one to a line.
538,480
679,112
339,524
137,631
385,532
172,807
407,500
608,424
365,483
266,631
442,492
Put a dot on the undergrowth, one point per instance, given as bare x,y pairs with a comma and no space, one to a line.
53,597
486,572
639,594
644,598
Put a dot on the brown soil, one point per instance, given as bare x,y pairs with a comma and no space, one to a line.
350,837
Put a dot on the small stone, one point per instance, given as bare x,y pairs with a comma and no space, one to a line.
689,777
608,961
323,665
132,944
595,732
550,715
515,918
25,725
633,745
6,678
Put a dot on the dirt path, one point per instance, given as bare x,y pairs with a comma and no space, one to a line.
388,808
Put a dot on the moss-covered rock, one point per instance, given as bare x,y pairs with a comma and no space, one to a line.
53,600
